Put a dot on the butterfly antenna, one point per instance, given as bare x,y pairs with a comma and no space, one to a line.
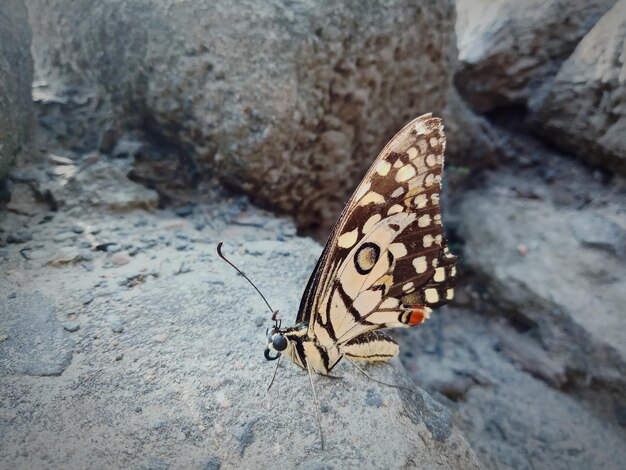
221,255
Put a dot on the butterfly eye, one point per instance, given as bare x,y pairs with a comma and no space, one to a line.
279,342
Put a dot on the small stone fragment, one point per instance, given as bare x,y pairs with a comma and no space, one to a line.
120,259
71,326
19,236
117,326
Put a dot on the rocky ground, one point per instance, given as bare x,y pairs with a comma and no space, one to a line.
126,343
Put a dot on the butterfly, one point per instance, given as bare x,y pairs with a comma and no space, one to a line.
386,263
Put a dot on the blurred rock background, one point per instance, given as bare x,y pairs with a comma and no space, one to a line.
136,134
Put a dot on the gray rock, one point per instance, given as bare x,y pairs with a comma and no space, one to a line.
193,368
571,297
508,48
71,326
511,418
584,110
599,232
36,344
20,236
16,77
117,326
289,102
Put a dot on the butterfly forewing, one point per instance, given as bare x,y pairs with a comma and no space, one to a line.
386,263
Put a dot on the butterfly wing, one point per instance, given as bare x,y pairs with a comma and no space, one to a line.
386,263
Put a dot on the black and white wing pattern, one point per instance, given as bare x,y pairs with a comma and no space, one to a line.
386,263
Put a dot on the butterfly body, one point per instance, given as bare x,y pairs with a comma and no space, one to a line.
386,263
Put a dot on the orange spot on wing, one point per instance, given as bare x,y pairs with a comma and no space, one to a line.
417,316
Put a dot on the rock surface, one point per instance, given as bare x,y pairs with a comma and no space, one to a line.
33,340
584,111
508,48
16,77
167,368
560,283
511,414
289,102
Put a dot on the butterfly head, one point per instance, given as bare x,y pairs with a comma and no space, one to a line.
277,343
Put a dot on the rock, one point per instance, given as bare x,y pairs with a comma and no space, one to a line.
104,184
289,102
120,259
20,236
71,326
78,229
599,232
569,295
511,418
508,49
16,77
117,326
201,391
36,344
584,110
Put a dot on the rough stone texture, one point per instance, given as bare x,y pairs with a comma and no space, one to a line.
584,111
287,101
33,341
168,368
16,76
544,273
512,416
508,48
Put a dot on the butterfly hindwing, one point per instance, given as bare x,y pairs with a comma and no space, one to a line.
386,263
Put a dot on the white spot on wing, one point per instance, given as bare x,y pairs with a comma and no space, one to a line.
440,275
348,239
420,264
428,240
424,221
383,167
371,197
398,192
431,296
404,173
398,250
394,209
390,303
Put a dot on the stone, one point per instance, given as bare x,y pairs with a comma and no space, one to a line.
71,326
193,367
16,77
508,49
288,102
599,232
105,184
37,344
20,236
570,295
584,109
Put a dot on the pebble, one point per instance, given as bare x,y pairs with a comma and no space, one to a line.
215,279
134,251
117,326
162,338
120,259
119,357
19,236
184,211
78,229
87,299
259,321
182,246
71,326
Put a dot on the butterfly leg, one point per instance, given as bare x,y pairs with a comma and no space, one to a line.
317,405
274,375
